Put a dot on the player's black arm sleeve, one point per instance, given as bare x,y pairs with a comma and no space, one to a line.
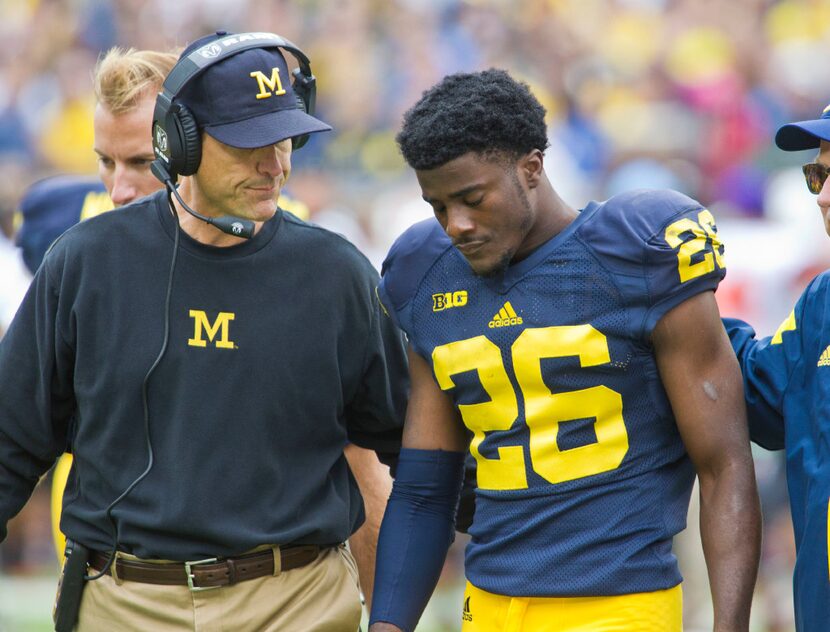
36,401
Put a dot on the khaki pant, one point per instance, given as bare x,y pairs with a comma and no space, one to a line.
323,596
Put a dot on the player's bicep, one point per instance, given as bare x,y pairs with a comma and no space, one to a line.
702,379
432,421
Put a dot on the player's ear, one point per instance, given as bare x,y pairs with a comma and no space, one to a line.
531,165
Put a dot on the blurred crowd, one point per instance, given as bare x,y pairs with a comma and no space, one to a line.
685,94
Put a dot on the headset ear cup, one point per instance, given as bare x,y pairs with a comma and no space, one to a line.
299,141
301,104
303,85
185,141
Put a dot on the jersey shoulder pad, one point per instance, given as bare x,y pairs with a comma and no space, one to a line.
641,215
59,198
661,246
407,263
656,228
51,206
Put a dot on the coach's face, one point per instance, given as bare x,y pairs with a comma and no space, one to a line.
244,183
484,205
823,199
124,146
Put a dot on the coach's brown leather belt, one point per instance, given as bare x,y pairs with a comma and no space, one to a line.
210,573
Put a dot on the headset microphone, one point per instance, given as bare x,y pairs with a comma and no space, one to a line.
230,225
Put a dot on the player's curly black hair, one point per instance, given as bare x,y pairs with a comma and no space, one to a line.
486,112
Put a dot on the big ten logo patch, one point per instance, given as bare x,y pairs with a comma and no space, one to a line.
202,326
446,300
273,84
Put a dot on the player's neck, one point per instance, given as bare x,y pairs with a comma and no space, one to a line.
553,216
559,216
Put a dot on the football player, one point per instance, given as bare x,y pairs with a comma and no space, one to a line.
584,354
786,390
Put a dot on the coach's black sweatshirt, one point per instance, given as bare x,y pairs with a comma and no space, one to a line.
277,355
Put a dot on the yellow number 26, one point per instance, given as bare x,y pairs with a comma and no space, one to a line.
544,410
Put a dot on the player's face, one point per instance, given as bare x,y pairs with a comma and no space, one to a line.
240,182
823,198
483,206
125,150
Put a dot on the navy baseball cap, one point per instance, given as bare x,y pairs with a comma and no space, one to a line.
804,134
247,99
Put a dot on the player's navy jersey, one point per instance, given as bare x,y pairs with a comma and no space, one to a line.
583,479
787,386
50,206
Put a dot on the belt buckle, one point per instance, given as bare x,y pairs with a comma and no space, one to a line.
188,567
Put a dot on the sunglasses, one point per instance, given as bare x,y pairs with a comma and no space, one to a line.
815,174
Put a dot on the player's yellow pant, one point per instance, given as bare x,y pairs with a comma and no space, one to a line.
660,611
59,476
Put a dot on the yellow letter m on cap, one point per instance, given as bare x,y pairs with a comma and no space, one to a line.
273,84
202,324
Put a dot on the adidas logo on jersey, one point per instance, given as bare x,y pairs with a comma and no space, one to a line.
505,318
466,615
824,359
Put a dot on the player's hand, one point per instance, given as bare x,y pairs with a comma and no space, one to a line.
384,627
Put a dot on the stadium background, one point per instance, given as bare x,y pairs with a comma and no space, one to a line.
640,93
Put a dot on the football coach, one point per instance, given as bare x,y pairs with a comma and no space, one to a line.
205,357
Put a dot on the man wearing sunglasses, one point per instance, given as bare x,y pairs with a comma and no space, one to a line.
787,388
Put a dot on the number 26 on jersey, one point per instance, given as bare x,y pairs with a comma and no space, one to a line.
544,410
701,254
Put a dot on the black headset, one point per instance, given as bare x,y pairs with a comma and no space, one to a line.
177,142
